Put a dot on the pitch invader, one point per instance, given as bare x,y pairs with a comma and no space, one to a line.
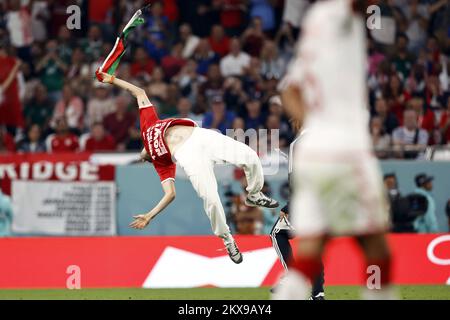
337,183
196,150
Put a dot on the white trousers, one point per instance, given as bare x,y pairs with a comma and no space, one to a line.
198,155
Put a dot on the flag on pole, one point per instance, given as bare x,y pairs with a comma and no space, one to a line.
112,61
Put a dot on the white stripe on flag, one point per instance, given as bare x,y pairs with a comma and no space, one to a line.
110,54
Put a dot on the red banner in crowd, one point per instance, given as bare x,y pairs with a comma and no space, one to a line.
155,262
51,167
59,194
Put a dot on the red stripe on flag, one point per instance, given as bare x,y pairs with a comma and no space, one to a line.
116,54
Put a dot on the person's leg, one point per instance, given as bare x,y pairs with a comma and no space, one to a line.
280,242
205,184
239,154
303,270
318,291
225,149
378,259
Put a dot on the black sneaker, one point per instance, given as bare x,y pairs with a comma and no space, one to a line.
319,296
260,200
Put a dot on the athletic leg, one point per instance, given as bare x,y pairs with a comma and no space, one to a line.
225,149
378,257
303,270
239,154
205,184
200,171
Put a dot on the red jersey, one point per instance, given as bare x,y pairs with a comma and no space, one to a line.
153,130
106,144
67,143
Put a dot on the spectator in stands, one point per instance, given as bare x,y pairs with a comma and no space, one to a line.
40,109
156,49
156,22
380,139
388,119
402,59
274,129
433,92
235,96
65,45
188,40
142,65
6,215
188,80
52,69
218,41
395,96
254,118
426,117
426,223
211,87
219,117
238,124
253,38
71,108
93,44
158,88
99,140
33,143
10,104
6,141
416,15
204,56
271,63
275,107
173,63
62,140
100,105
410,135
18,24
119,123
232,16
184,110
235,63
263,10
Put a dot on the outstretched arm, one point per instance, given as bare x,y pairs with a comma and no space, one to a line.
137,92
141,221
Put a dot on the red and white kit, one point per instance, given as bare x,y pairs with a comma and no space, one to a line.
197,156
338,186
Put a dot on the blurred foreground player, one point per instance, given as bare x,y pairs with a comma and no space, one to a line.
196,150
337,184
283,231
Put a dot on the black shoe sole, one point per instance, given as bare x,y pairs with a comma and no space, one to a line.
251,204
239,261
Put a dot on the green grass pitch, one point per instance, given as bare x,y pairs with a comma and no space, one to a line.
332,293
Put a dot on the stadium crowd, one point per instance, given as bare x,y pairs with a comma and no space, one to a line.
218,62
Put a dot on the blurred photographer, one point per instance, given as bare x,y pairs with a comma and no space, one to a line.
404,210
426,223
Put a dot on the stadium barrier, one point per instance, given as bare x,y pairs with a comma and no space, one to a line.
177,262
